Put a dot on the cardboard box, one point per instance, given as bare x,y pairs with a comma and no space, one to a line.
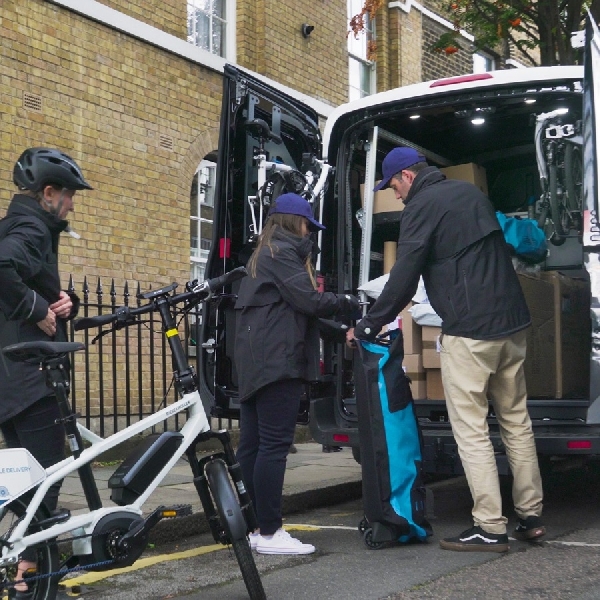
413,367
383,201
431,354
559,340
435,389
411,331
468,172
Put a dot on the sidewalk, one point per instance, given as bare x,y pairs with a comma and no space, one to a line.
313,478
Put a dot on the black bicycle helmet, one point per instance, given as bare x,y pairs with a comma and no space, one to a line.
39,167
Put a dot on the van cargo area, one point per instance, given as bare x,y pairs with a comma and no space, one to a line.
485,136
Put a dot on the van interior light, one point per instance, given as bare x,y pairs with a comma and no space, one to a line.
562,111
530,100
478,121
415,116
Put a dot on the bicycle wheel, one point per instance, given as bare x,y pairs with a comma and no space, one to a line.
44,588
574,178
234,525
556,208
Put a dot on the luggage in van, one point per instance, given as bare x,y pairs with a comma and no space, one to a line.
394,497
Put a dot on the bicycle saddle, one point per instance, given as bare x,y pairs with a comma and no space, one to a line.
40,350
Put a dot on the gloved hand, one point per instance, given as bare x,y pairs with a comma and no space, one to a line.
349,306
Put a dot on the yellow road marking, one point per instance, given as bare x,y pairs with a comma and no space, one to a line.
142,563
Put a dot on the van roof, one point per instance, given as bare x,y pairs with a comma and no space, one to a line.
450,84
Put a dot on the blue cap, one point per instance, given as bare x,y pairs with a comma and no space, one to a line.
292,204
395,161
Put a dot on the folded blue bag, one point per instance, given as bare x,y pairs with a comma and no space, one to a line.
525,237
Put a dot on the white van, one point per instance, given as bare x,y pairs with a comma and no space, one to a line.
479,127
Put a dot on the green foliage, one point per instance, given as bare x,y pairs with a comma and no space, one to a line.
519,24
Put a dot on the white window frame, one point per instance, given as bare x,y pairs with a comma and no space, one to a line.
229,43
206,172
357,56
482,63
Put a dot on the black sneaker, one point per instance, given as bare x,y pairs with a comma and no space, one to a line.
476,540
529,529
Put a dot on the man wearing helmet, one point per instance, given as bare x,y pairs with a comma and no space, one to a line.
33,307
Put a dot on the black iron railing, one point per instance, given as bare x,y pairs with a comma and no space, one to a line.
123,376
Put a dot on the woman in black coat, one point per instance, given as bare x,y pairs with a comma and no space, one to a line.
276,352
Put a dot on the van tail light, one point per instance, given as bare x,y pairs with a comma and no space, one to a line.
461,79
341,437
579,445
225,248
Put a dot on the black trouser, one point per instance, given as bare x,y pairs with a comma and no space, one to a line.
267,424
36,430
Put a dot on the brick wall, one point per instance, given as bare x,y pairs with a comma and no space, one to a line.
168,15
137,119
437,65
270,42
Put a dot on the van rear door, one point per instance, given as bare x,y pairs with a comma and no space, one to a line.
255,118
591,135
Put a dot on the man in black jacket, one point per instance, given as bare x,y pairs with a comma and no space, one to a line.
450,235
33,307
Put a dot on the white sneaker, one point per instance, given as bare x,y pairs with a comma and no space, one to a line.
253,538
281,542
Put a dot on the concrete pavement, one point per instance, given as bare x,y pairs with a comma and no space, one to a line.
313,478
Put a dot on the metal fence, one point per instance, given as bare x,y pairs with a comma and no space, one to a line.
123,376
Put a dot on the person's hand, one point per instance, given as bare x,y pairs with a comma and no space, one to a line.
349,306
350,339
48,324
63,306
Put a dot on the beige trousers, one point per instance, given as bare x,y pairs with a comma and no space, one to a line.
473,373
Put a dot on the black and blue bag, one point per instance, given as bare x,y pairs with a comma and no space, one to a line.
394,496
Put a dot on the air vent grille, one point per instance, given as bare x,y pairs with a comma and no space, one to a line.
166,142
32,102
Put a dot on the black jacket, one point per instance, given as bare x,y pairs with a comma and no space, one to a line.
277,331
30,282
449,233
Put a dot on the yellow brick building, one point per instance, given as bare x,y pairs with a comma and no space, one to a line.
117,85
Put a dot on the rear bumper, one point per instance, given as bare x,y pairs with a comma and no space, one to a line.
553,437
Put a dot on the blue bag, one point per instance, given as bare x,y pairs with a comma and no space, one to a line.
524,236
394,496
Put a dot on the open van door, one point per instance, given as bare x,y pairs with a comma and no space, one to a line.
591,134
268,143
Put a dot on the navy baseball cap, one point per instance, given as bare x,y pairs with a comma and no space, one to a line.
395,161
292,204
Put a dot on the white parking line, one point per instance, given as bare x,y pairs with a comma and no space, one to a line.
576,544
306,527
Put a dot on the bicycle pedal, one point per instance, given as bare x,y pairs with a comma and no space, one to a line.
178,510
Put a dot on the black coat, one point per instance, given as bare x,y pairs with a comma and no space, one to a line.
30,282
277,330
449,233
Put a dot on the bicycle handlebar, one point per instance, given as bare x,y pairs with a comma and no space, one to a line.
196,293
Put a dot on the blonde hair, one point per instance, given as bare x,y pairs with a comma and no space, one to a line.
289,224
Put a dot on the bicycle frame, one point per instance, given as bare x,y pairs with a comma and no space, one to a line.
196,424
313,187
554,141
82,526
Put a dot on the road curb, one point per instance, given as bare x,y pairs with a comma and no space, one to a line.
174,530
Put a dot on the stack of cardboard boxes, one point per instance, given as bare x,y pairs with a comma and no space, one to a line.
558,341
422,358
